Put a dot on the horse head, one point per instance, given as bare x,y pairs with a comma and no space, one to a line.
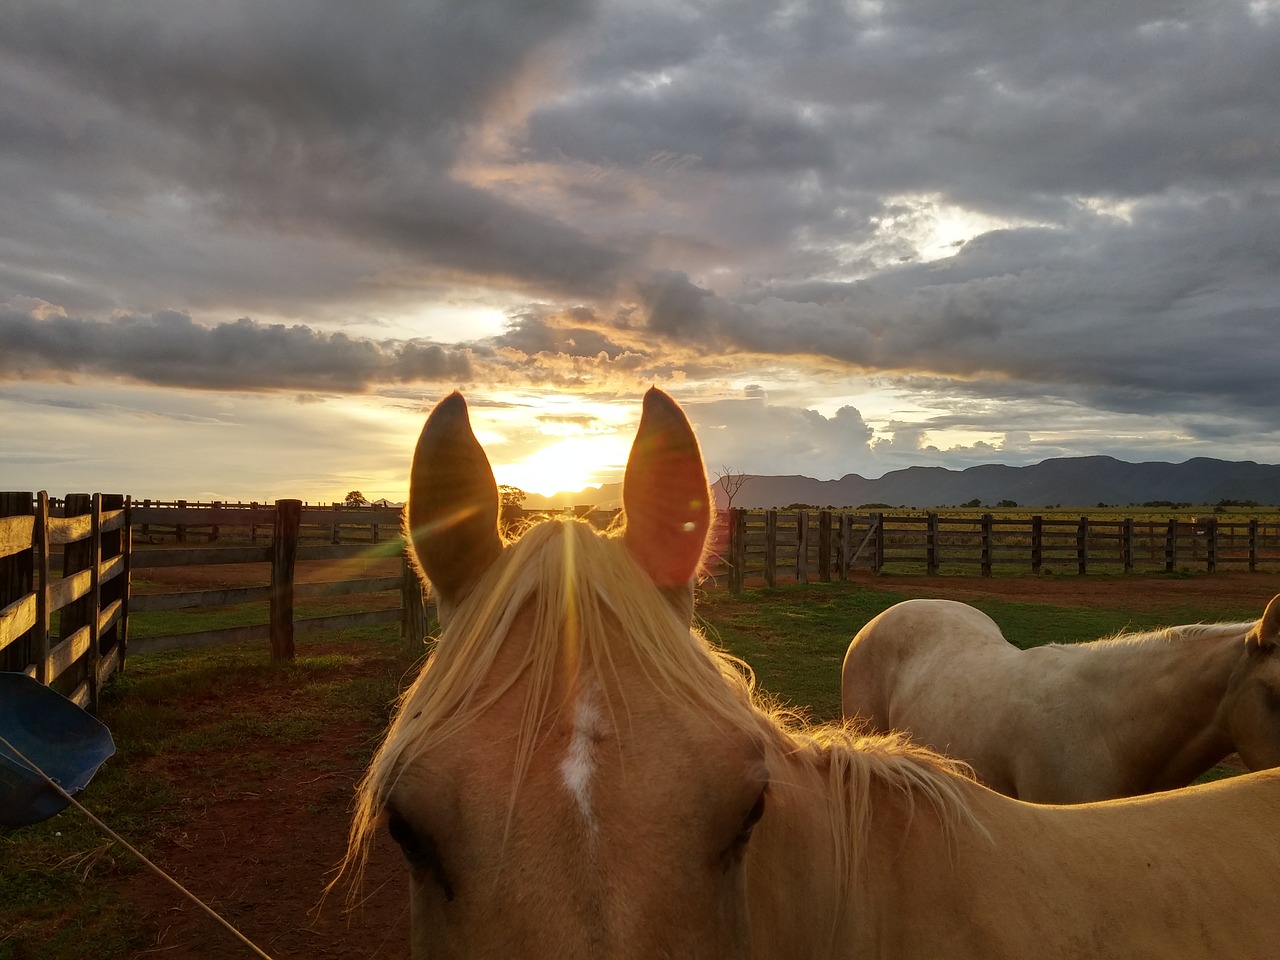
570,776
1253,707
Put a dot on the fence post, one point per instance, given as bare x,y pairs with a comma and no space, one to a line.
77,556
1037,543
113,545
17,573
1253,545
802,546
771,548
877,550
413,601
846,544
95,597
824,545
1082,546
737,549
985,556
1171,546
284,555
931,545
1126,544
1211,544
44,619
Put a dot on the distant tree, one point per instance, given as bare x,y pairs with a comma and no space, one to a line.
1007,504
975,502
511,496
730,481
355,499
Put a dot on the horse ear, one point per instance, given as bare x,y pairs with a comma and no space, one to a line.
1266,632
452,512
665,494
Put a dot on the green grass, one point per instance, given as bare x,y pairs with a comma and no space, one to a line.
795,636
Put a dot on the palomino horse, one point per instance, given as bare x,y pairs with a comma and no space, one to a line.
1067,723
577,774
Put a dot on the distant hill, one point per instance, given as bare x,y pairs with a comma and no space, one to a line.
1065,481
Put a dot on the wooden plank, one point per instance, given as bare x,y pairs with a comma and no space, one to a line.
112,520
229,597
349,551
339,588
198,556
229,516
346,621
70,529
66,653
69,589
108,616
17,618
108,665
15,534
111,567
80,697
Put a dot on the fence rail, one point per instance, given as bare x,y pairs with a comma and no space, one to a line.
764,545
89,601
71,632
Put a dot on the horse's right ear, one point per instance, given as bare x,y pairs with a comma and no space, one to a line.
1266,632
452,513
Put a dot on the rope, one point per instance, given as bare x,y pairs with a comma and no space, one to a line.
124,843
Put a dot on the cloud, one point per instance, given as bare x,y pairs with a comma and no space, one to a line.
169,349
1003,212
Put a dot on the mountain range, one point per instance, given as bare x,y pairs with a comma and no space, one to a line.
1065,481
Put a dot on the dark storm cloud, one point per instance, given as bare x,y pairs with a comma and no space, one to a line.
168,349
1072,201
300,119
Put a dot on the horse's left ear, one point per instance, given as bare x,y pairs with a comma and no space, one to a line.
665,494
452,514
1266,632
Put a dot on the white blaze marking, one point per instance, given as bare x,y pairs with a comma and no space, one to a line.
579,763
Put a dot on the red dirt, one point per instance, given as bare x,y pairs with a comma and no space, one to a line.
261,850
1202,592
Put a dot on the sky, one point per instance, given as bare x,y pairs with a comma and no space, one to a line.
245,247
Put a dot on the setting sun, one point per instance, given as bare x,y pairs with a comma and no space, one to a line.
568,464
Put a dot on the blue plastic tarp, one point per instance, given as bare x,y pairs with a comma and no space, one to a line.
57,736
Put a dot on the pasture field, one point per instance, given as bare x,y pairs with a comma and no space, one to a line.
236,774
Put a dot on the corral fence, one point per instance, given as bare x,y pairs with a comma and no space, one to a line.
68,630
65,564
764,546
65,570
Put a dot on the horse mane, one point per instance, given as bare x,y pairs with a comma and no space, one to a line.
1185,633
588,597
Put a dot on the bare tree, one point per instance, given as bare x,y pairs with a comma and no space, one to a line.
730,482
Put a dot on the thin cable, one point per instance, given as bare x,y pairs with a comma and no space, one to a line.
124,843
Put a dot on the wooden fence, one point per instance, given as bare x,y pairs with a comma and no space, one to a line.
762,546
89,600
71,631
296,533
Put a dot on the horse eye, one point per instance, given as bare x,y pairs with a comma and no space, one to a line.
419,850
749,823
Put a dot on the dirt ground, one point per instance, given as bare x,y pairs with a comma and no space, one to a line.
260,850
